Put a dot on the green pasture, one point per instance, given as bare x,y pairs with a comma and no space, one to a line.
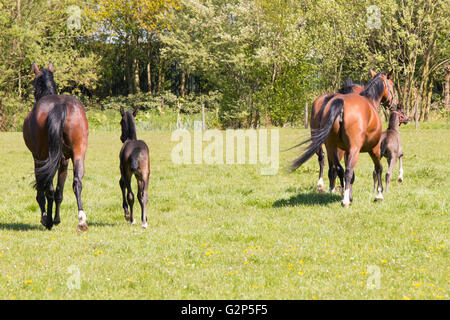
228,232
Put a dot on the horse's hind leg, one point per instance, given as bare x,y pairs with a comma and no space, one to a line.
350,163
78,173
123,186
40,198
126,182
50,195
143,199
321,156
62,175
46,216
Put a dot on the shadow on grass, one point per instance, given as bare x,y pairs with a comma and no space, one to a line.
18,226
309,198
101,224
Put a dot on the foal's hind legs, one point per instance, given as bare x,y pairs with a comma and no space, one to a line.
143,199
391,163
375,155
130,200
400,170
62,175
124,199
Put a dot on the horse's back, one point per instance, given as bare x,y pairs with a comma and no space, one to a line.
135,153
314,121
75,127
358,124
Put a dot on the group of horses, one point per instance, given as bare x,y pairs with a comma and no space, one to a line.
347,123
56,130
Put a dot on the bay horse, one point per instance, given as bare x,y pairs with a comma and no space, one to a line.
314,123
391,144
351,122
134,160
55,131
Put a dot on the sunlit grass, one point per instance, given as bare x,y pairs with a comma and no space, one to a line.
227,232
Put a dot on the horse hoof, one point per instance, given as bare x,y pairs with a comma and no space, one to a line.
345,205
320,189
400,179
132,223
144,226
127,217
44,219
56,222
82,227
377,199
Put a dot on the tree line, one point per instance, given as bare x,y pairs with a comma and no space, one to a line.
261,60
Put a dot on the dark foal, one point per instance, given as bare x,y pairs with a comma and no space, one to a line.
391,144
134,160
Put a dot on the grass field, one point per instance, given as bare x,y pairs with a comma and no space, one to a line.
227,232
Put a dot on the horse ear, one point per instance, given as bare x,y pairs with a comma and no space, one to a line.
390,74
135,111
122,112
35,68
51,68
373,73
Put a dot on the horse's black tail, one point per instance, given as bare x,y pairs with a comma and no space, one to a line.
319,135
134,160
46,169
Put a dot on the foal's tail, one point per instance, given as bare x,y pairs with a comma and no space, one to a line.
46,169
318,136
134,160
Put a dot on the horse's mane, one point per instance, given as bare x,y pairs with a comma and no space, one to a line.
131,125
348,85
44,85
375,88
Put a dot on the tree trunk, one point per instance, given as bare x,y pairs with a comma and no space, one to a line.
149,68
183,84
136,75
161,77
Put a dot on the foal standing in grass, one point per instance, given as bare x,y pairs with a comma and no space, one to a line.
391,144
134,159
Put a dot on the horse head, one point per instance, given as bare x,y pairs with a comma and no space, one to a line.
387,96
44,84
128,124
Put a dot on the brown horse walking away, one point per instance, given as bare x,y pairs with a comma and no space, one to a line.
56,130
314,123
391,144
351,122
134,160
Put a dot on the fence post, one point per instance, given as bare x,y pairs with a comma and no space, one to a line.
203,117
306,115
179,126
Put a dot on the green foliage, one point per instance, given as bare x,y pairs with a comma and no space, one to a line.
252,62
